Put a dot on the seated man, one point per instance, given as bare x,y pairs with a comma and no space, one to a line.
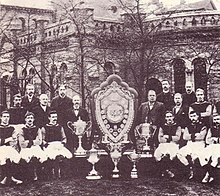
212,151
30,139
169,135
54,140
9,155
194,134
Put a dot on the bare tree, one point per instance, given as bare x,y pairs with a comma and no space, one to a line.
140,43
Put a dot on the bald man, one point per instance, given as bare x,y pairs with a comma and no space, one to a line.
41,112
73,114
189,96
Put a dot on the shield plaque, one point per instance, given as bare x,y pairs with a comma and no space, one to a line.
113,107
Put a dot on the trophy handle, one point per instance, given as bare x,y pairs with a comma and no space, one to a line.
88,128
71,126
137,130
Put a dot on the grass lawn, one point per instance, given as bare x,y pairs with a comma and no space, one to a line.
142,186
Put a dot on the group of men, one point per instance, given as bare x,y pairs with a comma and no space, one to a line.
34,136
187,128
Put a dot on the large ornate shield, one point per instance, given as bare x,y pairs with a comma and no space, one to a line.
113,107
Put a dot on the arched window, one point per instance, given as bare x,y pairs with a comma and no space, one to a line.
53,70
63,71
31,71
109,67
22,23
24,73
176,23
203,21
200,74
213,20
179,75
154,84
184,22
194,21
112,28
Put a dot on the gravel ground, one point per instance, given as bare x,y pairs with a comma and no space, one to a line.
142,186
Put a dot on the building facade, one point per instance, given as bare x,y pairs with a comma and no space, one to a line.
81,49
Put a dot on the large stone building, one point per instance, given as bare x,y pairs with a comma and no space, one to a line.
80,45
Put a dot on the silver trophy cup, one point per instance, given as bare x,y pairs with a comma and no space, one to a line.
79,129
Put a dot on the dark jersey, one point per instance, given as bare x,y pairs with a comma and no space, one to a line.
30,133
189,99
5,132
201,107
195,128
17,115
215,131
169,129
53,133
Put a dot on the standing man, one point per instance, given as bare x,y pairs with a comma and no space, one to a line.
180,111
189,96
151,112
30,101
169,135
73,114
61,104
166,96
17,112
194,134
202,107
41,111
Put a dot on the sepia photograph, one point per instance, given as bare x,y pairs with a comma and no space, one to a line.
110,97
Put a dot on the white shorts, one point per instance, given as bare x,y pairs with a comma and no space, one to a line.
211,151
194,149
33,151
166,149
8,152
55,149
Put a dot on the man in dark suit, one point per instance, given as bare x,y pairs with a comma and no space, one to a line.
73,114
189,97
17,112
151,111
180,111
61,104
41,112
166,96
30,101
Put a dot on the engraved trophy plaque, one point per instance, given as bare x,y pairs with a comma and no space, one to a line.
113,108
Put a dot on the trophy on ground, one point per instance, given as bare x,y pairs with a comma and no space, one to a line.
134,158
115,154
93,159
79,128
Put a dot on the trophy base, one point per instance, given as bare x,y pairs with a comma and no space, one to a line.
115,176
134,175
93,177
80,153
146,154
